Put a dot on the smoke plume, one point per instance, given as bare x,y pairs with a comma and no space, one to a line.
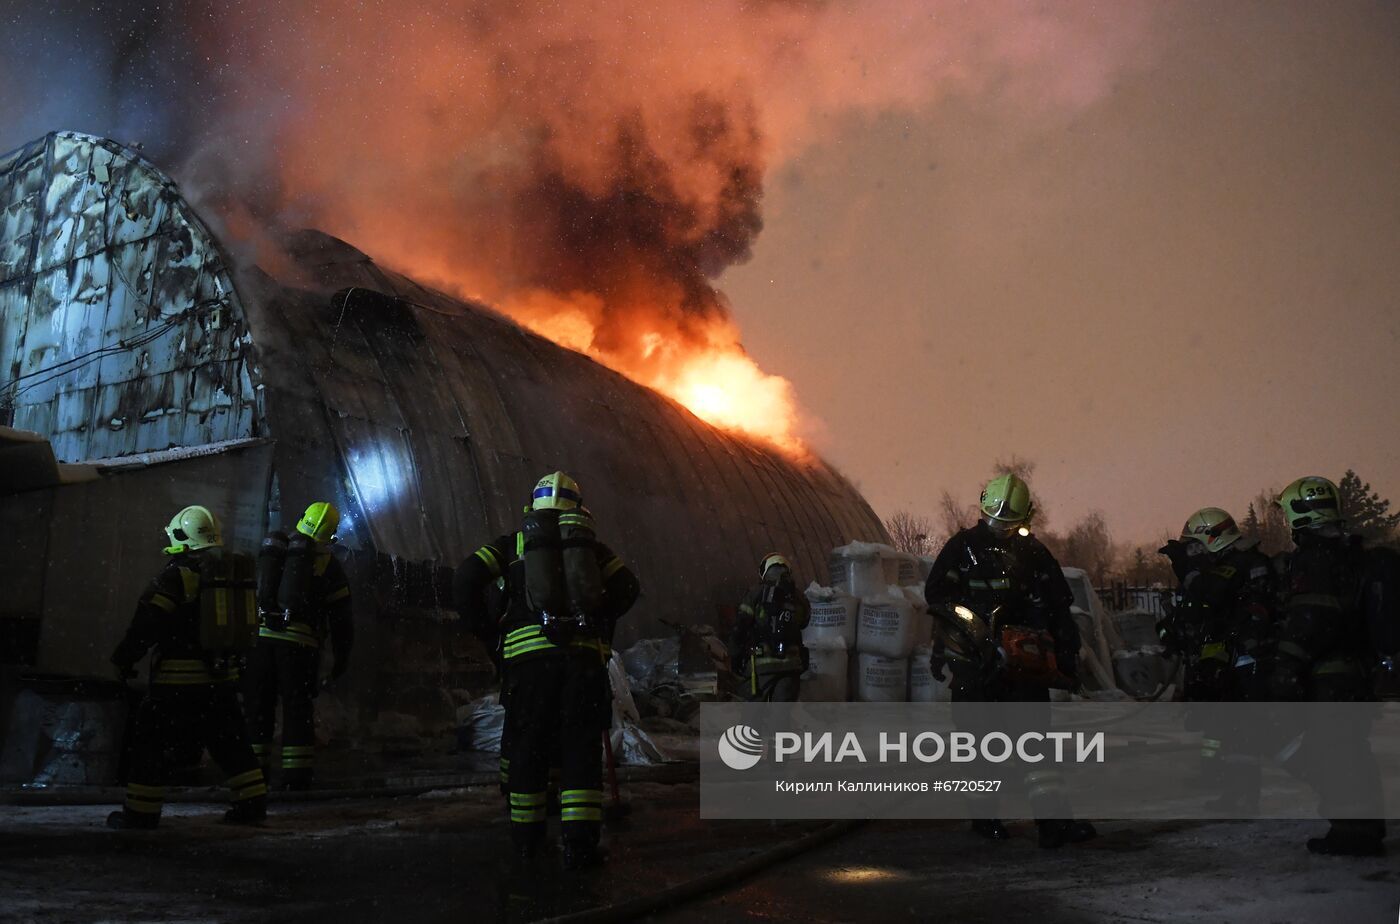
589,166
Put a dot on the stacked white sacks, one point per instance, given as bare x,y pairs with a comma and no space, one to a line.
889,626
880,679
827,676
923,620
907,568
925,568
922,687
857,569
829,636
833,617
875,611
889,564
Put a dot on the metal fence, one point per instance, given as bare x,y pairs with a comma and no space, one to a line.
1118,598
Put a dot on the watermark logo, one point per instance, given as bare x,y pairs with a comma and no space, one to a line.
740,747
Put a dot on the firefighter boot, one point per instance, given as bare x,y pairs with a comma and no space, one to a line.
132,821
248,812
580,855
1351,838
1060,831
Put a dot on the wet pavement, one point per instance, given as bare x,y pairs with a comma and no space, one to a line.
441,856
444,855
1244,872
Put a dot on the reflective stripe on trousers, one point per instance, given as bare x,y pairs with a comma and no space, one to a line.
298,756
146,800
529,639
580,805
527,808
248,785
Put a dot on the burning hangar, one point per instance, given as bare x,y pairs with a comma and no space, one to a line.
143,369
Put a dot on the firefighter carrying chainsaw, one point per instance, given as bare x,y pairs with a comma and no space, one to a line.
303,600
565,592
199,616
766,648
1002,608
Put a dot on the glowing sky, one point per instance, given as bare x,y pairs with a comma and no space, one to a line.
1152,246
1183,293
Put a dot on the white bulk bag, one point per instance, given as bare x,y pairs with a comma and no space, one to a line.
827,674
908,570
888,625
923,620
889,564
856,569
881,680
833,617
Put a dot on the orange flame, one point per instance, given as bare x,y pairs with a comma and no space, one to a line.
729,390
716,379
593,166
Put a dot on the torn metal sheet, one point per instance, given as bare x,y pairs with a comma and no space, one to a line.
120,330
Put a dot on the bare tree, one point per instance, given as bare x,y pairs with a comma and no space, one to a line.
1021,468
911,533
1057,544
953,516
1265,523
1090,546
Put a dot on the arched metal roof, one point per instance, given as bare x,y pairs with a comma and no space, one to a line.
425,417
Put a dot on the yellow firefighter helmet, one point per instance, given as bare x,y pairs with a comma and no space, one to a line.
319,522
772,560
193,528
1007,500
1310,501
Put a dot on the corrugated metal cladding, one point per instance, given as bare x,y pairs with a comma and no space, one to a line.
120,330
426,418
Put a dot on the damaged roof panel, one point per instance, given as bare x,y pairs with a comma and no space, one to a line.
121,331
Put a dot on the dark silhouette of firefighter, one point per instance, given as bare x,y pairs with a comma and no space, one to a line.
1005,630
199,616
1220,626
564,594
1336,643
766,647
304,601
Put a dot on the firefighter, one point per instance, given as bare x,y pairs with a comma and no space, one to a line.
768,655
1326,650
1219,626
193,695
304,600
998,575
565,592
